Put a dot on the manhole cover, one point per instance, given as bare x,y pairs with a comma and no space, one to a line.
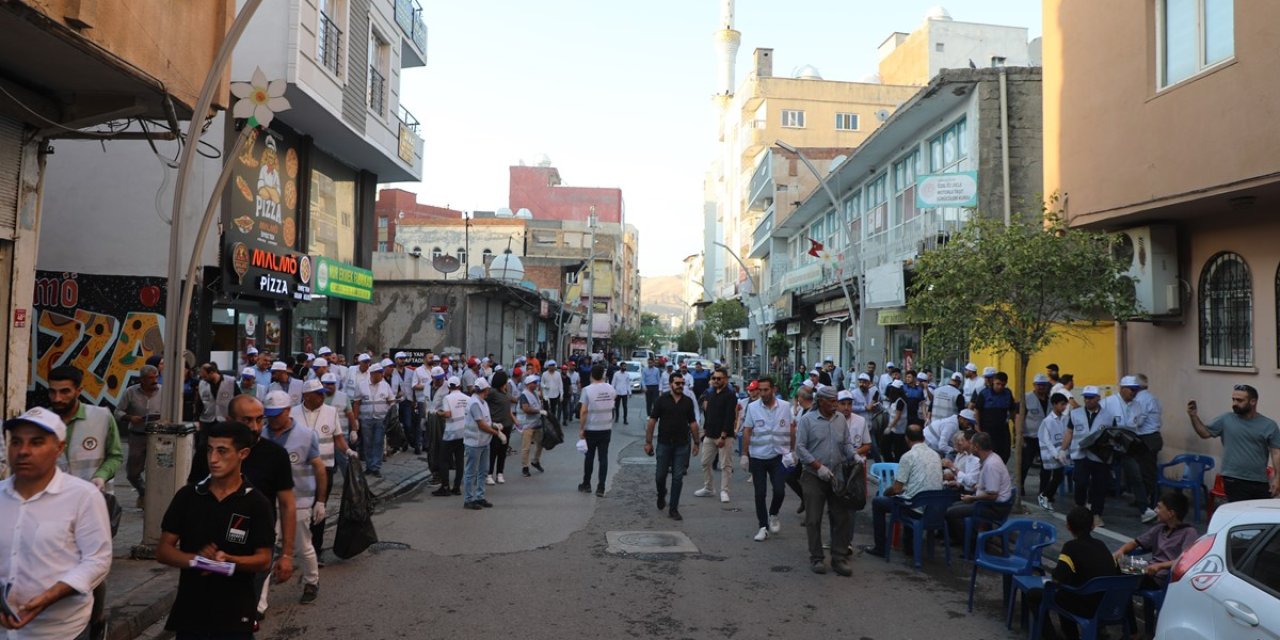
388,546
649,542
647,461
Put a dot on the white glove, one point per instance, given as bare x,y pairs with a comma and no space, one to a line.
352,453
744,462
824,474
502,437
100,484
317,513
1063,457
542,412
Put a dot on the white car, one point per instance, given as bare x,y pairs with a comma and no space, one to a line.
1227,585
633,373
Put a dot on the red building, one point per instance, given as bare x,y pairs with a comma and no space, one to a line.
397,206
539,190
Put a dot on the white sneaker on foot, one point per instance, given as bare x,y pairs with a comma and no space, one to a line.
762,534
724,496
703,492
488,480
502,479
775,525
1044,503
1149,515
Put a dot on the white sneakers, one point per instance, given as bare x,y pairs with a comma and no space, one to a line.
1149,515
488,479
703,493
502,479
762,535
1044,503
775,525
724,496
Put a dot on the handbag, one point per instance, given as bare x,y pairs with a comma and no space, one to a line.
849,482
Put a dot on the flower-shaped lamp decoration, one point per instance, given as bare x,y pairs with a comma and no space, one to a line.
259,100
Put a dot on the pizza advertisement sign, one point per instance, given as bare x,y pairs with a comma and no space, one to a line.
260,221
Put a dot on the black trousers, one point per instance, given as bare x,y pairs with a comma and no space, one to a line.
498,451
650,398
597,448
1092,480
1237,489
453,458
1030,453
620,402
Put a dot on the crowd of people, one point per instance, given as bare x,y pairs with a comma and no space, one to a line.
273,434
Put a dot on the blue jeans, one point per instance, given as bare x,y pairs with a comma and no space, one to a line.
673,458
477,462
770,470
373,433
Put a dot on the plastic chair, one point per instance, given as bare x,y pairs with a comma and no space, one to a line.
1022,541
1193,469
1117,596
884,473
1152,599
925,513
1068,484
986,513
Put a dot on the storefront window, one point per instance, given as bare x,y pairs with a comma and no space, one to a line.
314,326
332,223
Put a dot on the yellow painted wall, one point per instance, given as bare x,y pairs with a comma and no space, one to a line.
1090,358
908,63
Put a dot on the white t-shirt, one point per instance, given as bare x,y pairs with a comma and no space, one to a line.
456,404
598,398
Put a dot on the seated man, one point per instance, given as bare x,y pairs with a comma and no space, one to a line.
1165,541
994,485
1083,558
962,473
919,469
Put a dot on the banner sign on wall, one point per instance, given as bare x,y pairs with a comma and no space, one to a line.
947,190
342,280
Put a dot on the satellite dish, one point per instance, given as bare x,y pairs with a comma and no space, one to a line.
401,215
445,263
882,115
503,213
524,214
475,273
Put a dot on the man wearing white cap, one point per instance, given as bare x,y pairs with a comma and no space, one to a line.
452,452
402,382
1142,411
341,402
377,401
972,382
309,488
357,380
420,385
552,388
1092,475
249,383
948,399
55,543
529,414
938,434
282,381
434,410
324,420
250,357
890,374
1035,408
477,433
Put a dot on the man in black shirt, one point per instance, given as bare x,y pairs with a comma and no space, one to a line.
675,417
996,408
720,410
223,519
1083,558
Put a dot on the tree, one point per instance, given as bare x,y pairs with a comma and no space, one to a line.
651,331
724,317
624,340
1015,289
688,341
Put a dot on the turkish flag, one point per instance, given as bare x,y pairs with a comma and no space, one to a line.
814,247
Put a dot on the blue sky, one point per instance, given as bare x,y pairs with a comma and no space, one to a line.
618,94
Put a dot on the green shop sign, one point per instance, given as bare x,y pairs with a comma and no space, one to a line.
342,280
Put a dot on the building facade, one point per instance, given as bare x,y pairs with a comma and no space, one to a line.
1194,203
397,207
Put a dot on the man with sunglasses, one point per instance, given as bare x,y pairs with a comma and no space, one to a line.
720,409
674,416
1248,438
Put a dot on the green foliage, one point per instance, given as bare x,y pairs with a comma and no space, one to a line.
650,320
688,341
624,340
779,345
724,317
652,333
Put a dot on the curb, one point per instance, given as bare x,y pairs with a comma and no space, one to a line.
131,626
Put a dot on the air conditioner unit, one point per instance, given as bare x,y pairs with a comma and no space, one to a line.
1152,254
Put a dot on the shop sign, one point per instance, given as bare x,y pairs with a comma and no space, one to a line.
405,150
341,280
888,317
260,222
947,190
415,357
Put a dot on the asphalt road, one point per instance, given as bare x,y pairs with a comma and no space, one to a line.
538,565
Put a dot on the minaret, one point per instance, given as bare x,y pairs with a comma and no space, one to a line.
727,41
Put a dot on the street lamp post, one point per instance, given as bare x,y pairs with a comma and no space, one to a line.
591,285
755,287
855,314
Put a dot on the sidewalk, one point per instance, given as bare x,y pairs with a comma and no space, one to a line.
140,592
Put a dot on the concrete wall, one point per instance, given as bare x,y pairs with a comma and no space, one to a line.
917,58
1026,158
539,190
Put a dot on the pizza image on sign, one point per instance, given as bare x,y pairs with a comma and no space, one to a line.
239,259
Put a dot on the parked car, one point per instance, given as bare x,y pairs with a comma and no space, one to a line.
1227,584
680,356
642,355
633,372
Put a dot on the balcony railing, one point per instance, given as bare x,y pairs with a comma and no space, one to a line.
905,241
377,92
761,186
330,44
409,17
411,123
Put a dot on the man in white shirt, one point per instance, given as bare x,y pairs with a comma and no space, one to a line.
939,433
887,377
948,399
402,383
216,392
767,431
598,399
326,422
55,543
919,469
622,392
552,388
972,383
962,473
357,381
995,487
377,401
453,409
477,433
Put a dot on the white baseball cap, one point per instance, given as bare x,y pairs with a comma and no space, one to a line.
971,367
896,383
320,362
453,381
310,356
808,383
249,372
889,365
40,417
401,354
1130,381
329,378
957,376
844,395
922,376
277,402
376,367
313,386
279,366
1090,392
988,372
364,357
324,351
1041,378
532,379
551,363
437,372
969,415
386,362
481,384
864,376
251,351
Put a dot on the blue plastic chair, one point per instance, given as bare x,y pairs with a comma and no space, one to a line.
986,513
1152,599
1022,541
926,512
884,472
1068,485
1117,596
1194,468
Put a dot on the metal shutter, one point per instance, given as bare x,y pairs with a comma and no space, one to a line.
10,171
831,334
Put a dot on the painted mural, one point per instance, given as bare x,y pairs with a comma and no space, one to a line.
107,326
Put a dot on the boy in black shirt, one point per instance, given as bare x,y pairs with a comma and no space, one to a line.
1083,558
224,519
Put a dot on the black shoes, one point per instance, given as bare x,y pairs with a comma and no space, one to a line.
675,515
484,503
442,491
474,506
538,466
662,502
457,491
584,488
525,471
600,492
871,550
842,568
309,593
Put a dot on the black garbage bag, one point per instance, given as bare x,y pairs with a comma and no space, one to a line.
394,431
552,434
355,516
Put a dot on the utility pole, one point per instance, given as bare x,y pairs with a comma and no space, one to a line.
591,285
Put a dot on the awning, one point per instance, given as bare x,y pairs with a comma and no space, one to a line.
838,316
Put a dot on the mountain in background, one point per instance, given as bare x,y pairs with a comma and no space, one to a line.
661,295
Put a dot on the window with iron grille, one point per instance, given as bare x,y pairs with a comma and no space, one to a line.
1226,312
329,44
